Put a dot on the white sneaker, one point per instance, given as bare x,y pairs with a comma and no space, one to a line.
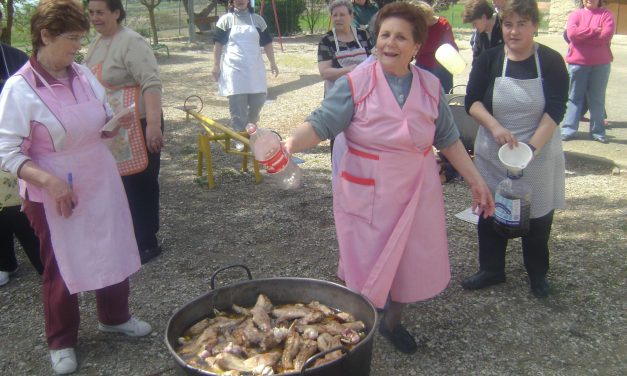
237,145
63,361
4,278
132,328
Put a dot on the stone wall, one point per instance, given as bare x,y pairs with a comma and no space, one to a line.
559,11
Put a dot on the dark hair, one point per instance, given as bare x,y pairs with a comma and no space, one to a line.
474,9
232,6
366,3
601,3
527,9
410,13
114,5
58,17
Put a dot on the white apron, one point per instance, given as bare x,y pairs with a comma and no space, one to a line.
347,57
95,247
518,105
243,71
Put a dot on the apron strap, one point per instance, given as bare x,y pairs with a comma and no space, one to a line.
535,55
337,45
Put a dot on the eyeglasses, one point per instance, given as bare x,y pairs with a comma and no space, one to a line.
74,38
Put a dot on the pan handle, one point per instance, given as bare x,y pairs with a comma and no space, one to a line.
312,360
215,274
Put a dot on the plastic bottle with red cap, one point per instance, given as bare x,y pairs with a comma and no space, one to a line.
266,147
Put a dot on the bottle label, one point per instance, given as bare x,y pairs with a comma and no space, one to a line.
507,210
276,163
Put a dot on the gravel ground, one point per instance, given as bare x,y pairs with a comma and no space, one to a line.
579,330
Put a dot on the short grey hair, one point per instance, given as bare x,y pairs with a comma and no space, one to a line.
341,3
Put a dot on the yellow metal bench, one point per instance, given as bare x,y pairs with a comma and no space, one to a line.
216,132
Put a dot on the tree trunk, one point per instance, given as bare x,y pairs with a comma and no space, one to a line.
6,32
151,5
153,25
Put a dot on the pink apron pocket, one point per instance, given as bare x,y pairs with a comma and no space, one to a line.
355,192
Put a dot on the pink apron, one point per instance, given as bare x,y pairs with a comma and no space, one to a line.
95,247
387,200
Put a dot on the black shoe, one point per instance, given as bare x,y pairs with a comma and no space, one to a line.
483,278
400,338
539,287
148,254
600,139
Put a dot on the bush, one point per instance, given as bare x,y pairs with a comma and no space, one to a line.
288,13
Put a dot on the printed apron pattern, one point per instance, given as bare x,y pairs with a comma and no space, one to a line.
518,105
128,146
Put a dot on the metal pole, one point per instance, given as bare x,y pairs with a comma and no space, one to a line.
192,28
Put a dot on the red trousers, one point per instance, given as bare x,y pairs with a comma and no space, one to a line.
60,307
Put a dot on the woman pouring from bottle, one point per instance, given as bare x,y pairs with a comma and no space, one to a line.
518,94
387,200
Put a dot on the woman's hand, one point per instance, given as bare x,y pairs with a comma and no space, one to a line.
216,73
274,69
482,201
154,138
62,194
503,136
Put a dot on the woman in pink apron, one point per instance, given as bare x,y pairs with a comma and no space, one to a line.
518,93
387,202
51,115
238,64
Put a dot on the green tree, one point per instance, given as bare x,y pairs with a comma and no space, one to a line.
314,9
151,5
8,14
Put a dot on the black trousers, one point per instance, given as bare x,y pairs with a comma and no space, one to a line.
535,246
142,191
13,221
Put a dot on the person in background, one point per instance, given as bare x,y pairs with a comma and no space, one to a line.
341,49
344,47
125,65
363,11
238,65
590,30
12,220
52,112
439,33
387,200
518,94
487,25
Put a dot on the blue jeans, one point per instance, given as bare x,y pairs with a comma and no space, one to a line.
586,81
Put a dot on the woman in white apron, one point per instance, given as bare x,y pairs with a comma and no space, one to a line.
518,94
339,52
387,200
51,115
238,65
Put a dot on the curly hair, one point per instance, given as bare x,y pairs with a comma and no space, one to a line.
408,12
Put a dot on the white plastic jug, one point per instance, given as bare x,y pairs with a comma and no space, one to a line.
450,59
517,158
